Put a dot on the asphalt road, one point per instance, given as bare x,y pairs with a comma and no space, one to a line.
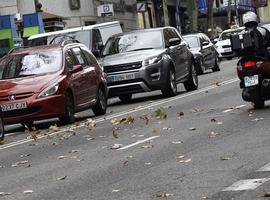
211,145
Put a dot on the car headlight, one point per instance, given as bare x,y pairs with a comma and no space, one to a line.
49,91
152,60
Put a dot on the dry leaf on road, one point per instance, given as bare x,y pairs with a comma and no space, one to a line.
90,124
147,146
164,194
225,158
160,114
5,193
192,129
61,157
54,128
266,194
115,135
2,142
213,134
19,163
185,160
116,146
180,114
177,142
61,178
146,118
115,190
28,191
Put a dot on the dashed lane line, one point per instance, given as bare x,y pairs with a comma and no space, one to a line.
248,184
158,103
265,168
138,142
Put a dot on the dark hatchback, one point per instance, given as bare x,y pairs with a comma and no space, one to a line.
204,51
147,60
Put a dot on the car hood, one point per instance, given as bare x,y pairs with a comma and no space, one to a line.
130,57
223,42
30,84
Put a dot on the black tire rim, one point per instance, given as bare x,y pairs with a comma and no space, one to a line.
1,129
102,99
173,82
194,75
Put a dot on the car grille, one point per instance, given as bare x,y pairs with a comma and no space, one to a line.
18,96
122,67
125,89
226,46
16,113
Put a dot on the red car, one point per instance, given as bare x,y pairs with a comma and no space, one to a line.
51,81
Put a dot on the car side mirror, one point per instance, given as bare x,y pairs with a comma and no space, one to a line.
76,68
205,43
215,40
174,41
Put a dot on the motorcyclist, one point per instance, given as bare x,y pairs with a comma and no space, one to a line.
260,36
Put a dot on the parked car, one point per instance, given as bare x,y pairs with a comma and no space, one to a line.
204,52
51,81
223,43
147,60
93,36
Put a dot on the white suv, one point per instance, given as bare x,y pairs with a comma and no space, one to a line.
223,43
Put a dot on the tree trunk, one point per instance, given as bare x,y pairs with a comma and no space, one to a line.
193,15
165,13
210,24
229,12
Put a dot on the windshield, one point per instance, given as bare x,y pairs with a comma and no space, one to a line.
133,42
226,35
30,64
193,42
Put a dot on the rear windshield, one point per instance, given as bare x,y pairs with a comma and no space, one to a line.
226,35
20,65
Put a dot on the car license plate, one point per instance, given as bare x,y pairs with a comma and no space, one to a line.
13,106
227,50
121,77
251,80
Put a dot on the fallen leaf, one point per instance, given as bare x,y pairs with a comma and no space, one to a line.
5,193
61,178
116,146
146,118
185,161
154,130
192,129
90,124
125,163
257,119
25,155
217,83
115,190
266,194
90,138
115,135
129,120
2,166
213,120
167,128
2,142
140,135
195,110
54,128
213,135
147,146
177,142
225,158
115,121
61,157
180,114
19,163
219,123
74,151
77,124
160,114
181,157
205,198
148,163
28,191
164,194
34,135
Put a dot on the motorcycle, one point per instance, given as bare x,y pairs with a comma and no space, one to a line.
254,75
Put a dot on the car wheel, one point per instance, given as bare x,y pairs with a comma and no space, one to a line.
171,86
101,105
200,68
258,103
2,130
192,82
216,67
68,117
28,124
125,98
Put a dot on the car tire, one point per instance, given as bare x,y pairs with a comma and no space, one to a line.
101,105
125,98
171,85
200,68
68,117
2,130
258,103
216,68
28,124
192,82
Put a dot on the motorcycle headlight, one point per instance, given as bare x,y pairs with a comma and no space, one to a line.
150,61
49,91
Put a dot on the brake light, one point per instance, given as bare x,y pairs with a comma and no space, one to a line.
249,64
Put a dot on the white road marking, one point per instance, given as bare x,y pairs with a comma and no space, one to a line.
12,144
265,168
231,109
248,184
228,110
240,106
138,142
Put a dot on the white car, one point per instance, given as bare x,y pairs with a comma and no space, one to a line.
223,43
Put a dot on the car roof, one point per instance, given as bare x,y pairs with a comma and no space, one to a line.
195,35
233,29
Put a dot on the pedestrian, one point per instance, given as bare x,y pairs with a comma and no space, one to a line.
217,31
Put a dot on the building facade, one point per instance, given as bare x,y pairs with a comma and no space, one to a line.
73,13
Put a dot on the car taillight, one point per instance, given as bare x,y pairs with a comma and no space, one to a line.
249,64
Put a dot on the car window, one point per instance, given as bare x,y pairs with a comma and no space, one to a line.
34,63
192,41
96,38
226,34
79,56
89,57
70,61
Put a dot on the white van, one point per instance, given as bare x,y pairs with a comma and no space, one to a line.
94,36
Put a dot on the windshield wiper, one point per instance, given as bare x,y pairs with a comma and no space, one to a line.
24,75
141,49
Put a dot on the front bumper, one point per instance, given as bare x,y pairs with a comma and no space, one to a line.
144,79
37,109
226,53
